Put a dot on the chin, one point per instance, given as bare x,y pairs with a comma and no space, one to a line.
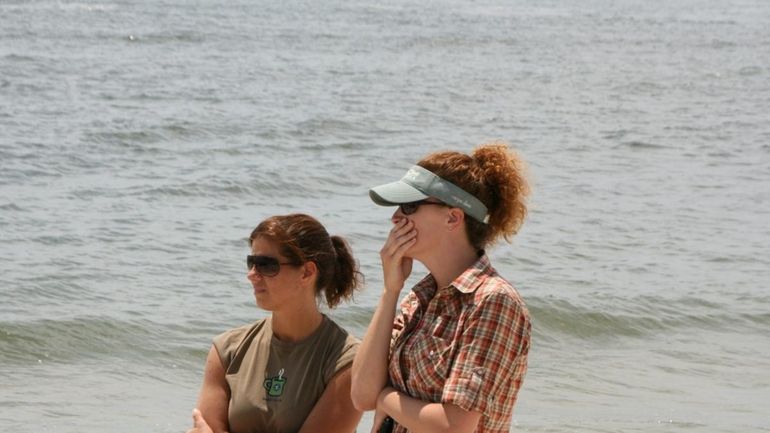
263,303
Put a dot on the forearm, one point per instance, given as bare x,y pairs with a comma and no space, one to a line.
334,411
370,366
426,417
214,397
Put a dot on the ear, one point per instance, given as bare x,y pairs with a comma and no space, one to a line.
455,218
309,270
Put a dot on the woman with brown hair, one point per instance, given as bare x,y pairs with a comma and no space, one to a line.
453,355
289,372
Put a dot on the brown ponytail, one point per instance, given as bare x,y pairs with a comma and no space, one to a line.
494,174
346,278
301,238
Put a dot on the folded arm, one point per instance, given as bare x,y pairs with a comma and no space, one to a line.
334,411
214,397
417,415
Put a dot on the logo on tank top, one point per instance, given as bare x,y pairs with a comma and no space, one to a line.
275,384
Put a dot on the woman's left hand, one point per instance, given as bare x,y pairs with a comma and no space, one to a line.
379,417
199,424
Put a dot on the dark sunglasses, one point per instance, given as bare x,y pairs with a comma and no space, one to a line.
265,265
410,208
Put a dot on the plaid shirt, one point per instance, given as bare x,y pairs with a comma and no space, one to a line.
465,344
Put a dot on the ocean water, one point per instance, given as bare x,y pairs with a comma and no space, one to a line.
141,141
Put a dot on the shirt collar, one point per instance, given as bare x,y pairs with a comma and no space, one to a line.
467,282
425,289
471,278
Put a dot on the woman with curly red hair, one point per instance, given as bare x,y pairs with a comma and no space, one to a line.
453,355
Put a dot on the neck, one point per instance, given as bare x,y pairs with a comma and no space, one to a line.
449,261
296,322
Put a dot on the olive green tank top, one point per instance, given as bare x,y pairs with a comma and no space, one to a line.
275,384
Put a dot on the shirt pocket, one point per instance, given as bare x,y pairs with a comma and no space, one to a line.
433,360
444,327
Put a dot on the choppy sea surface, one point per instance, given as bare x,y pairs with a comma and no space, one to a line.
142,140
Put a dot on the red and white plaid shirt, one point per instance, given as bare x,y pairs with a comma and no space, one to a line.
465,344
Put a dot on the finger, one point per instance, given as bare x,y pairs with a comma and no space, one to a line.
403,234
198,421
399,222
394,249
392,237
403,243
400,227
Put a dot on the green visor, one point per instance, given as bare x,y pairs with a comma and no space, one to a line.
419,184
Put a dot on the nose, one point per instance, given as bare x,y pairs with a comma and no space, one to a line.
397,215
253,275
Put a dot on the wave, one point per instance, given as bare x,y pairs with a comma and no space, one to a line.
19,58
748,71
636,144
600,319
11,207
92,337
192,37
644,316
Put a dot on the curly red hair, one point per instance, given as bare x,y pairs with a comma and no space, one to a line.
494,174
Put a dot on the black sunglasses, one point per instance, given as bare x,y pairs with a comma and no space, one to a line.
265,265
410,208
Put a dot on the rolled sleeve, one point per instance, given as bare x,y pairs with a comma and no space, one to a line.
491,357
